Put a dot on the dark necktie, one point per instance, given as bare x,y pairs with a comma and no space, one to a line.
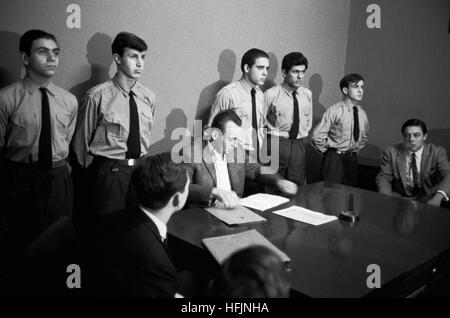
45,139
133,141
255,122
294,129
415,173
356,124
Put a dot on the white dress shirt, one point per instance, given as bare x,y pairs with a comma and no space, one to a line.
221,168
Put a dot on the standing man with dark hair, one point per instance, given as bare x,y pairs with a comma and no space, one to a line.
246,98
342,133
415,169
113,130
289,117
134,248
37,121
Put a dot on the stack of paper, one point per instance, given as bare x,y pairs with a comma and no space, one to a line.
263,201
221,247
304,215
238,215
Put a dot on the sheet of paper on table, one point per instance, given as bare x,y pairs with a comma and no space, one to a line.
263,201
238,215
304,215
221,247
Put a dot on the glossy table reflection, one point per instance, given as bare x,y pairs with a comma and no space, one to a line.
407,239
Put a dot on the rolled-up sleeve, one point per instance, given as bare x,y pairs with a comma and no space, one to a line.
85,128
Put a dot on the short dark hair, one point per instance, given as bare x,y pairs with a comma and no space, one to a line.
127,39
157,178
348,79
223,117
27,39
253,272
293,59
414,122
250,57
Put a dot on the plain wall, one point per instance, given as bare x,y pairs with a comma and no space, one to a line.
195,46
406,65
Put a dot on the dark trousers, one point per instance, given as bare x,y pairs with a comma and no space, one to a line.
340,168
110,186
292,160
35,199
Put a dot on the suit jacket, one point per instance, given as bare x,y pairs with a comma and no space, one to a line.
434,170
135,259
203,177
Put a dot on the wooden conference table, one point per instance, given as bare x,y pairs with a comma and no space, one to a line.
409,241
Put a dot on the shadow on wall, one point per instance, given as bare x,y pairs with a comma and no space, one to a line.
272,75
10,64
440,137
176,119
313,157
225,67
98,54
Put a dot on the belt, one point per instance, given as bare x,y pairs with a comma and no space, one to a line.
347,153
287,139
122,162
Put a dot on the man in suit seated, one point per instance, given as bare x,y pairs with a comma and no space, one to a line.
133,246
218,178
415,169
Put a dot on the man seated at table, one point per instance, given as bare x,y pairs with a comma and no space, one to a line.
218,178
133,246
415,169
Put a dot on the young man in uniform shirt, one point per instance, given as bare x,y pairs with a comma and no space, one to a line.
342,133
289,117
37,121
113,130
246,99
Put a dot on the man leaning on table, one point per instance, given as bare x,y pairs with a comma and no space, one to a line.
415,169
218,179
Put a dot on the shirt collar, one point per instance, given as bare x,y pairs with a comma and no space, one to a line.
31,86
215,154
135,89
162,228
248,86
348,106
418,153
288,89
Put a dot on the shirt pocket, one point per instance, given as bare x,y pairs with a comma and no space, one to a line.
113,125
24,128
23,119
62,122
146,121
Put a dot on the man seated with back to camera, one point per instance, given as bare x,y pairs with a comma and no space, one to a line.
218,179
133,244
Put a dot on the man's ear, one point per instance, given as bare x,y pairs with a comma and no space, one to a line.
425,137
246,68
345,90
116,58
284,73
215,133
25,59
